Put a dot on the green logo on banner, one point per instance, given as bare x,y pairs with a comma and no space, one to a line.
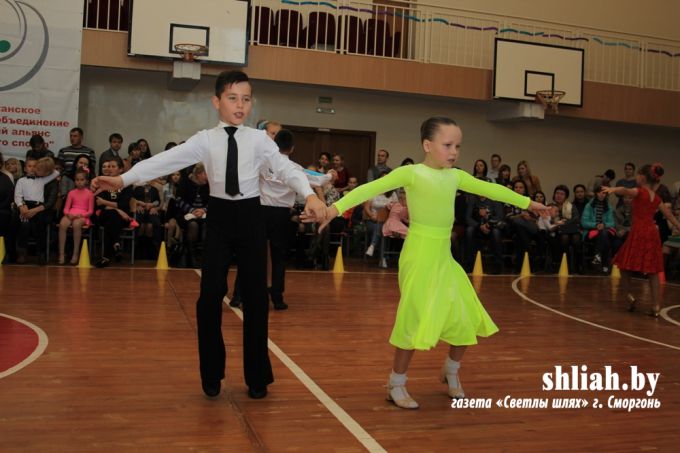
4,46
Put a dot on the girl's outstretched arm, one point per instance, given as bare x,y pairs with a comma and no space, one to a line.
622,191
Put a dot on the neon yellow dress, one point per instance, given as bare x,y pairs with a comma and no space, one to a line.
437,300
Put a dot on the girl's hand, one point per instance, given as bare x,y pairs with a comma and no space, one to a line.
539,209
331,213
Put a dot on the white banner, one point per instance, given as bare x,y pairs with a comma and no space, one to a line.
40,43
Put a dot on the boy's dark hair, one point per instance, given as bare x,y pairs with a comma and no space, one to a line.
77,129
629,164
610,174
430,126
132,146
284,140
497,155
36,140
170,145
564,189
115,135
228,78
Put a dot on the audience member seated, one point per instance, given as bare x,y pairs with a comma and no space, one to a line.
38,148
144,149
671,247
532,181
65,184
599,227
134,156
343,174
8,225
580,200
147,202
114,213
606,179
480,170
115,144
523,224
81,162
375,213
69,154
568,233
397,221
623,217
380,166
323,164
484,220
13,167
170,190
34,216
78,209
504,178
494,172
192,208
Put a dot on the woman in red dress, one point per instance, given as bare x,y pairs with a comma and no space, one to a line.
642,250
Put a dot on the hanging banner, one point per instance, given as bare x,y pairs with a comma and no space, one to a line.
40,42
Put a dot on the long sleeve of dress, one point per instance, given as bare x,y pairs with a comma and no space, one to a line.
401,177
491,190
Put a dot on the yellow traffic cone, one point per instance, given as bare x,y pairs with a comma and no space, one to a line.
564,267
615,272
526,266
338,266
84,261
478,270
2,249
162,262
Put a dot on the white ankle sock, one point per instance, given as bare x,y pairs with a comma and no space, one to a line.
452,366
397,380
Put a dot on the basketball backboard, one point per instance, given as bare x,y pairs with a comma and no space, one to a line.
523,68
157,26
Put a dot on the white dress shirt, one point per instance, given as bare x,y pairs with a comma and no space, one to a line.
256,152
274,192
32,189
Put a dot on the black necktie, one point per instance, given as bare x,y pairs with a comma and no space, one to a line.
231,181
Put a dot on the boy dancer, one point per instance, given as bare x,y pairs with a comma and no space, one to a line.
233,155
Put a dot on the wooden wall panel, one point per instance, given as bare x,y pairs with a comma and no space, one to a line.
601,101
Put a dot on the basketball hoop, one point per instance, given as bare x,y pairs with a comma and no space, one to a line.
189,51
550,98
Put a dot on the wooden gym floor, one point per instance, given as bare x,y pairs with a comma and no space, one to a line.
119,370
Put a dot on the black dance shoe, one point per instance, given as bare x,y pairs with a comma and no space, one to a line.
211,388
257,393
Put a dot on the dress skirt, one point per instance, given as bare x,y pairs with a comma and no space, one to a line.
437,301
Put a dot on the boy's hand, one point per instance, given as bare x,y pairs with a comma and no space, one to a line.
315,209
107,183
331,213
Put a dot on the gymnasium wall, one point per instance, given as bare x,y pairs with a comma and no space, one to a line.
559,150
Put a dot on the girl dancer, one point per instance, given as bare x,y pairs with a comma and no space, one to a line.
437,300
642,250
